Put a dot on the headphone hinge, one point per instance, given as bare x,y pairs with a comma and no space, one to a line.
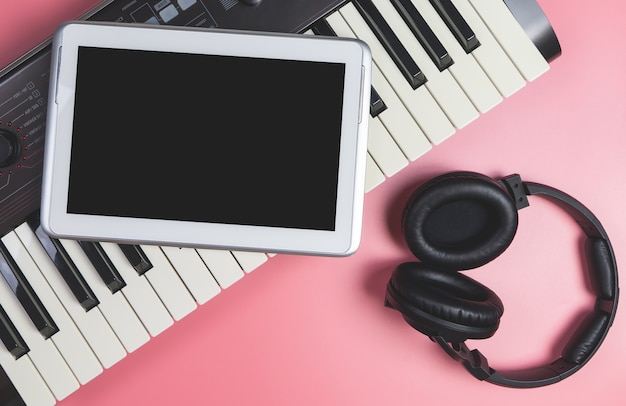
516,189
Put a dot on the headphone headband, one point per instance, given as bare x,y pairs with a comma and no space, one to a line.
592,331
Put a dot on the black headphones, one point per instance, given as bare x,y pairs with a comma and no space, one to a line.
462,220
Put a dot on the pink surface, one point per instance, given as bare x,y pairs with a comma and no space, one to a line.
313,331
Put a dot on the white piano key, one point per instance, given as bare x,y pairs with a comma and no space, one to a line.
43,353
467,72
140,295
396,119
69,341
193,272
419,102
384,150
92,324
512,37
444,88
26,380
490,54
114,307
222,265
168,284
249,261
373,175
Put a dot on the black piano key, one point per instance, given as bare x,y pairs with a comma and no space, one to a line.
64,264
424,34
398,53
25,294
103,265
10,337
377,105
137,258
457,24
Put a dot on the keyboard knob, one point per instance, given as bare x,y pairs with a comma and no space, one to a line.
9,148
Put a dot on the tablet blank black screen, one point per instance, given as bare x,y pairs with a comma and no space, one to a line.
215,139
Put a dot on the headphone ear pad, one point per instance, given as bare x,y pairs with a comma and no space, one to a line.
446,304
459,220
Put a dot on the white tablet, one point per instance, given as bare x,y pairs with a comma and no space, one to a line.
206,138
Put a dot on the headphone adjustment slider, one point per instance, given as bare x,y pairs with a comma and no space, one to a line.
473,360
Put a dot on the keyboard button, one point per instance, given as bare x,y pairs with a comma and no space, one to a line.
103,265
114,307
373,175
222,265
43,353
512,38
64,265
384,150
26,380
433,47
167,284
136,257
419,103
68,340
139,293
25,294
456,24
385,34
466,70
249,261
442,85
377,105
10,337
92,324
193,272
490,54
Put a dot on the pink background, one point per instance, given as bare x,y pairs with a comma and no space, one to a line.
313,331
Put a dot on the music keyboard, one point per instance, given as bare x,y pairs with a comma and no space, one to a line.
70,309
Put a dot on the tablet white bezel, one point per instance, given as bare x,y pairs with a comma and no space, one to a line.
353,144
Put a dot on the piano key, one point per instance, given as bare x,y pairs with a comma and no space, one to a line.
377,105
385,34
26,380
43,353
68,340
490,54
64,265
249,261
433,47
103,265
114,307
442,85
373,175
222,265
321,27
384,151
10,337
193,272
167,284
455,22
512,37
139,293
419,102
136,257
92,324
26,295
467,72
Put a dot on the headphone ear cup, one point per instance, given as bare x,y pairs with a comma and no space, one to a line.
446,304
459,220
